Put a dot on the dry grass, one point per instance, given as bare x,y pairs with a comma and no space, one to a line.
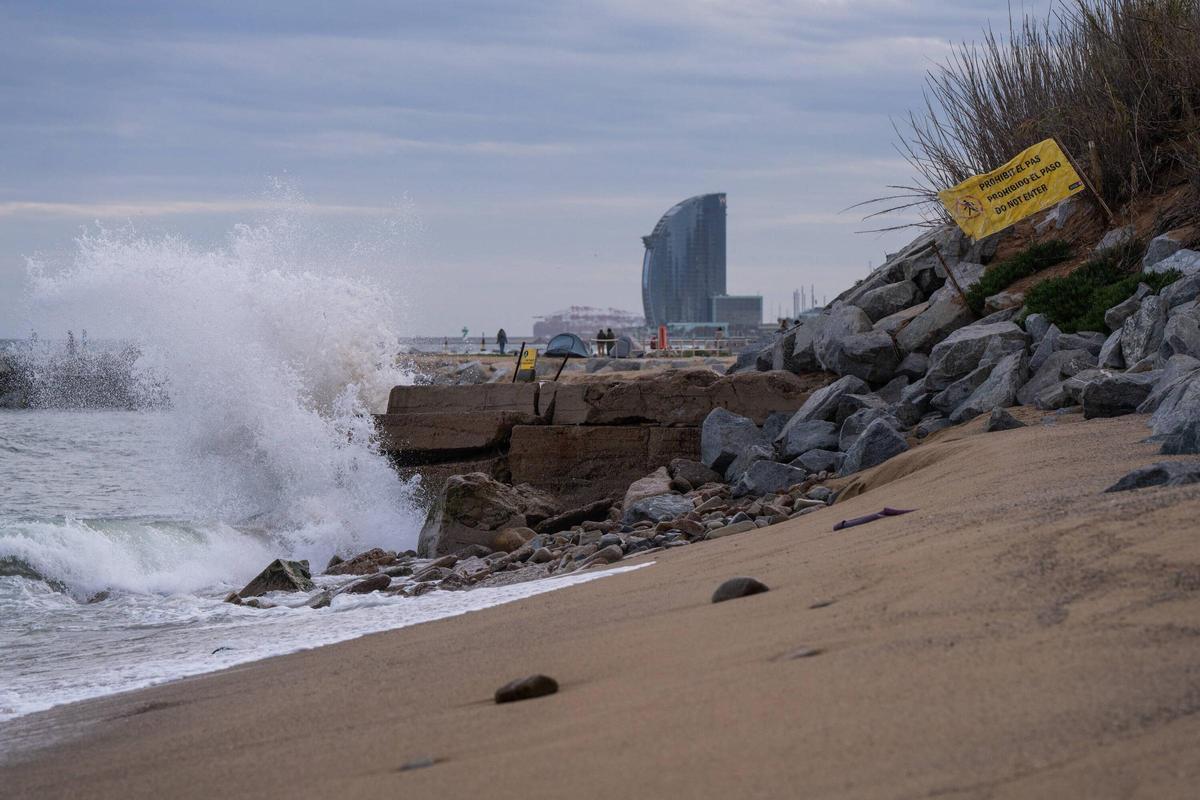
1117,82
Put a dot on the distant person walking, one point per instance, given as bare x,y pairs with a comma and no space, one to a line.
483,344
502,340
719,336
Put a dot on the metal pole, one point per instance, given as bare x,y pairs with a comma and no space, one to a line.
561,366
950,275
520,356
1087,182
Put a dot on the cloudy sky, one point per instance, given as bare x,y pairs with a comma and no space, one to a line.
502,158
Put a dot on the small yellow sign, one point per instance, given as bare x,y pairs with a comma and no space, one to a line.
528,359
1038,178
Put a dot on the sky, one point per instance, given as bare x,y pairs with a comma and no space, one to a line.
499,160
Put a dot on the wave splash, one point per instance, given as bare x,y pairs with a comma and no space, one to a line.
272,368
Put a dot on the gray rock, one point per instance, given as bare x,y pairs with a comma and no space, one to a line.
1115,394
724,436
888,299
799,438
913,366
1004,301
1057,217
526,689
1001,420
1046,347
280,576
823,403
820,461
1142,332
1060,365
1036,326
1115,317
657,509
946,313
1185,262
893,389
876,444
734,588
371,583
1177,371
912,410
751,455
773,425
1164,473
1184,290
871,356
999,390
803,357
857,422
1090,341
930,426
1159,248
1179,405
957,393
1181,336
1116,237
853,403
843,321
1184,442
963,351
893,323
764,477
1110,353
693,472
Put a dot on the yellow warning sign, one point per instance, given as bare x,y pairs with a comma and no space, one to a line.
528,359
1036,179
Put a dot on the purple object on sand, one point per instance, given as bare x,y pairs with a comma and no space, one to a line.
887,512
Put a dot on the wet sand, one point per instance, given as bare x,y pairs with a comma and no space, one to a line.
1020,635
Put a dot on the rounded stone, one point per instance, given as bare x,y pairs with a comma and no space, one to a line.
526,688
738,587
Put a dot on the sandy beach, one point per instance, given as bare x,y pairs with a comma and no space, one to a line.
1022,634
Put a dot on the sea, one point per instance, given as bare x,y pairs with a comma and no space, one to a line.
215,415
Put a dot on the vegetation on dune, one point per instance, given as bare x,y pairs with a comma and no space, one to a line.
1117,82
1077,302
1001,275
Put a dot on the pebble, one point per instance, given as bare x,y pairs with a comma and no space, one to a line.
541,556
801,652
526,689
732,528
418,763
738,587
823,603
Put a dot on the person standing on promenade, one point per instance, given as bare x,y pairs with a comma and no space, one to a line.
483,344
610,339
501,340
600,342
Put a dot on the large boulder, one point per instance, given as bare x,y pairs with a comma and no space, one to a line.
724,436
280,575
887,300
693,472
1160,247
798,437
654,484
858,422
1185,262
957,393
821,461
823,403
1142,332
842,322
747,458
1184,290
1178,408
803,356
871,356
1110,356
764,477
1177,371
945,313
1164,473
1047,345
1115,394
1060,365
472,508
1117,237
1115,317
965,349
999,390
1181,336
876,444
657,509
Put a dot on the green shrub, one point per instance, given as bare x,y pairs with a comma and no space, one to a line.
1077,302
1029,261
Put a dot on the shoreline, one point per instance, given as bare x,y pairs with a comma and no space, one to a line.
1021,632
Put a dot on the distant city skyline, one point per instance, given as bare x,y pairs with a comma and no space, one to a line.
485,162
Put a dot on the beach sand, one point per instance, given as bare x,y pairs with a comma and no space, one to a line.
1020,635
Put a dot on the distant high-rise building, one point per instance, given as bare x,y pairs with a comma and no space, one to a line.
684,265
738,313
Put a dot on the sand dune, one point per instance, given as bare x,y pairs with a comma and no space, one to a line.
1021,635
